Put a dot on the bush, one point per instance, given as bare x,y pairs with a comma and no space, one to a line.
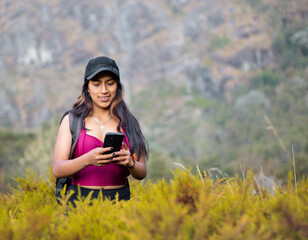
159,166
13,145
188,207
266,78
218,42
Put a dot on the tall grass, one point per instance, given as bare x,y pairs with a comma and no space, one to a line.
187,207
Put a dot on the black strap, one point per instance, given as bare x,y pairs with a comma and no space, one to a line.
75,127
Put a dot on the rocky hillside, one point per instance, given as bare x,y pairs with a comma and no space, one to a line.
209,46
199,75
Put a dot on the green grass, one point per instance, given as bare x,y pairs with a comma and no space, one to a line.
187,207
218,42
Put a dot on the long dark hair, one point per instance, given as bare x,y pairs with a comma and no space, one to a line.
118,110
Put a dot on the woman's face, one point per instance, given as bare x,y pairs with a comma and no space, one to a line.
103,90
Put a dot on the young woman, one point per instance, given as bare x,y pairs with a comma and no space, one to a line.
102,109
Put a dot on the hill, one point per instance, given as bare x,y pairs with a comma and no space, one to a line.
201,76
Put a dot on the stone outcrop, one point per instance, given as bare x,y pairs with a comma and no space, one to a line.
189,42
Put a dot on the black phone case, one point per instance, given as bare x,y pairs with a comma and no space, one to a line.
114,140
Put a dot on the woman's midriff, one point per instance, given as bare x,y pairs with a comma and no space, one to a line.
102,187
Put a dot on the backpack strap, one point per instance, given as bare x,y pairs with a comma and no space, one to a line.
75,127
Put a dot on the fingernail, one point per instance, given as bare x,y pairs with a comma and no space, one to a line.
111,148
111,159
113,154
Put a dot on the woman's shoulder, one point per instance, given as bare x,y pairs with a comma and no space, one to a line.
69,116
65,121
65,118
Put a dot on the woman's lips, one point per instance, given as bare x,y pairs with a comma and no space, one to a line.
104,99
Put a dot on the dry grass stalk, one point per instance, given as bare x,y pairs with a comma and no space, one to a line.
200,173
230,188
260,191
243,173
294,169
205,174
274,184
273,129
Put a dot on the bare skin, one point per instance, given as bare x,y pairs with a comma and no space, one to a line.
102,93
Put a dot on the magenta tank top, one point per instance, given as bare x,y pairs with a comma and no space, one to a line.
108,175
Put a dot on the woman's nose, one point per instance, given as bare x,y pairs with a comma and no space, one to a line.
104,88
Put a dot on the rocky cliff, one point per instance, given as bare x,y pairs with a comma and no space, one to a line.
209,46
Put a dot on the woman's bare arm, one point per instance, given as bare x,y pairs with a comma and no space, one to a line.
138,169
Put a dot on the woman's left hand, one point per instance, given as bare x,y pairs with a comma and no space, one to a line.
123,157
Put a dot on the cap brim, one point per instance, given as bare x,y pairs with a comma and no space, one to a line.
113,70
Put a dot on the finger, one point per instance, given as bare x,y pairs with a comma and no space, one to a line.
101,150
119,162
109,156
105,157
124,146
121,153
106,149
104,162
119,158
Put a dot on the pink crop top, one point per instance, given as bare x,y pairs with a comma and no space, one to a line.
108,175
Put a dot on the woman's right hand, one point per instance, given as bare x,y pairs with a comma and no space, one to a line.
98,158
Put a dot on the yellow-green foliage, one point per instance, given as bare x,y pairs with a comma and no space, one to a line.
188,207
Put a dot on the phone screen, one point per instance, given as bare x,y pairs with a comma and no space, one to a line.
114,140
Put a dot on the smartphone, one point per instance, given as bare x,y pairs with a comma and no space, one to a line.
113,139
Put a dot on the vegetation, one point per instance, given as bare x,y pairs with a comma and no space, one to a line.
190,121
259,125
13,145
231,132
218,42
188,207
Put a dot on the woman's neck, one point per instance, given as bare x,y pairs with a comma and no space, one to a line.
100,113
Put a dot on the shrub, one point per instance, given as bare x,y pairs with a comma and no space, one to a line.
188,207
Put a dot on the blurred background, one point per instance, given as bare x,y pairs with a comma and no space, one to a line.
218,84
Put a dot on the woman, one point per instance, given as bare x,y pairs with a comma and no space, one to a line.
102,109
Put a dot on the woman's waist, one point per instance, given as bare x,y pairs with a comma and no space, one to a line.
103,187
100,178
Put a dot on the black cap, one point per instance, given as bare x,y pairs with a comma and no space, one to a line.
99,64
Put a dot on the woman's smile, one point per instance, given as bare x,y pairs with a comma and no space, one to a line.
104,99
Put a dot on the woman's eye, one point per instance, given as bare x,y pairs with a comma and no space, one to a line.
96,85
110,83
